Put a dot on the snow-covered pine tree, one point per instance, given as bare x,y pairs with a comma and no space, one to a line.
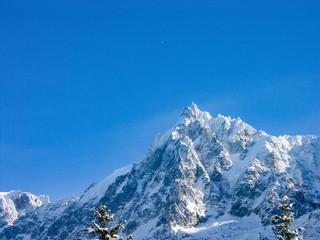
283,222
105,233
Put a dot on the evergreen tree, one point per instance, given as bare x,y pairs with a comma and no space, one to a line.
105,233
283,222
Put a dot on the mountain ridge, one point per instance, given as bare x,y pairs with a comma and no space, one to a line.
204,177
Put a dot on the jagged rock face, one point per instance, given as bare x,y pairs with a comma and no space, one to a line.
206,178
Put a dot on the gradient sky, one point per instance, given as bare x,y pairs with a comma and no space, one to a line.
86,85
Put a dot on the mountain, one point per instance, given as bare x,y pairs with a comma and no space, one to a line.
206,178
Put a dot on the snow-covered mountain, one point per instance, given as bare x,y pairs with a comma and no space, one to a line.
206,178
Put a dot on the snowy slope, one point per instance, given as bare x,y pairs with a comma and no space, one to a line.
206,178
15,204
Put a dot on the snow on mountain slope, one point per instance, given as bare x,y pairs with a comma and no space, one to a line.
96,191
206,178
15,204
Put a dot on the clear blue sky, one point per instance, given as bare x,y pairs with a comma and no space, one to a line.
86,85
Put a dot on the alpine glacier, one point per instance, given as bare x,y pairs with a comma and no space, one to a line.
206,178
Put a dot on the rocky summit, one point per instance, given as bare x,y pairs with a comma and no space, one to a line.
206,178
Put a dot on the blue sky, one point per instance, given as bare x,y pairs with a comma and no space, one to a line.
86,85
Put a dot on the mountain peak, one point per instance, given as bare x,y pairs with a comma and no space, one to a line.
203,177
192,111
194,108
193,114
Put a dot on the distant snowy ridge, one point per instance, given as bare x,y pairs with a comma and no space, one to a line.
205,178
14,204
